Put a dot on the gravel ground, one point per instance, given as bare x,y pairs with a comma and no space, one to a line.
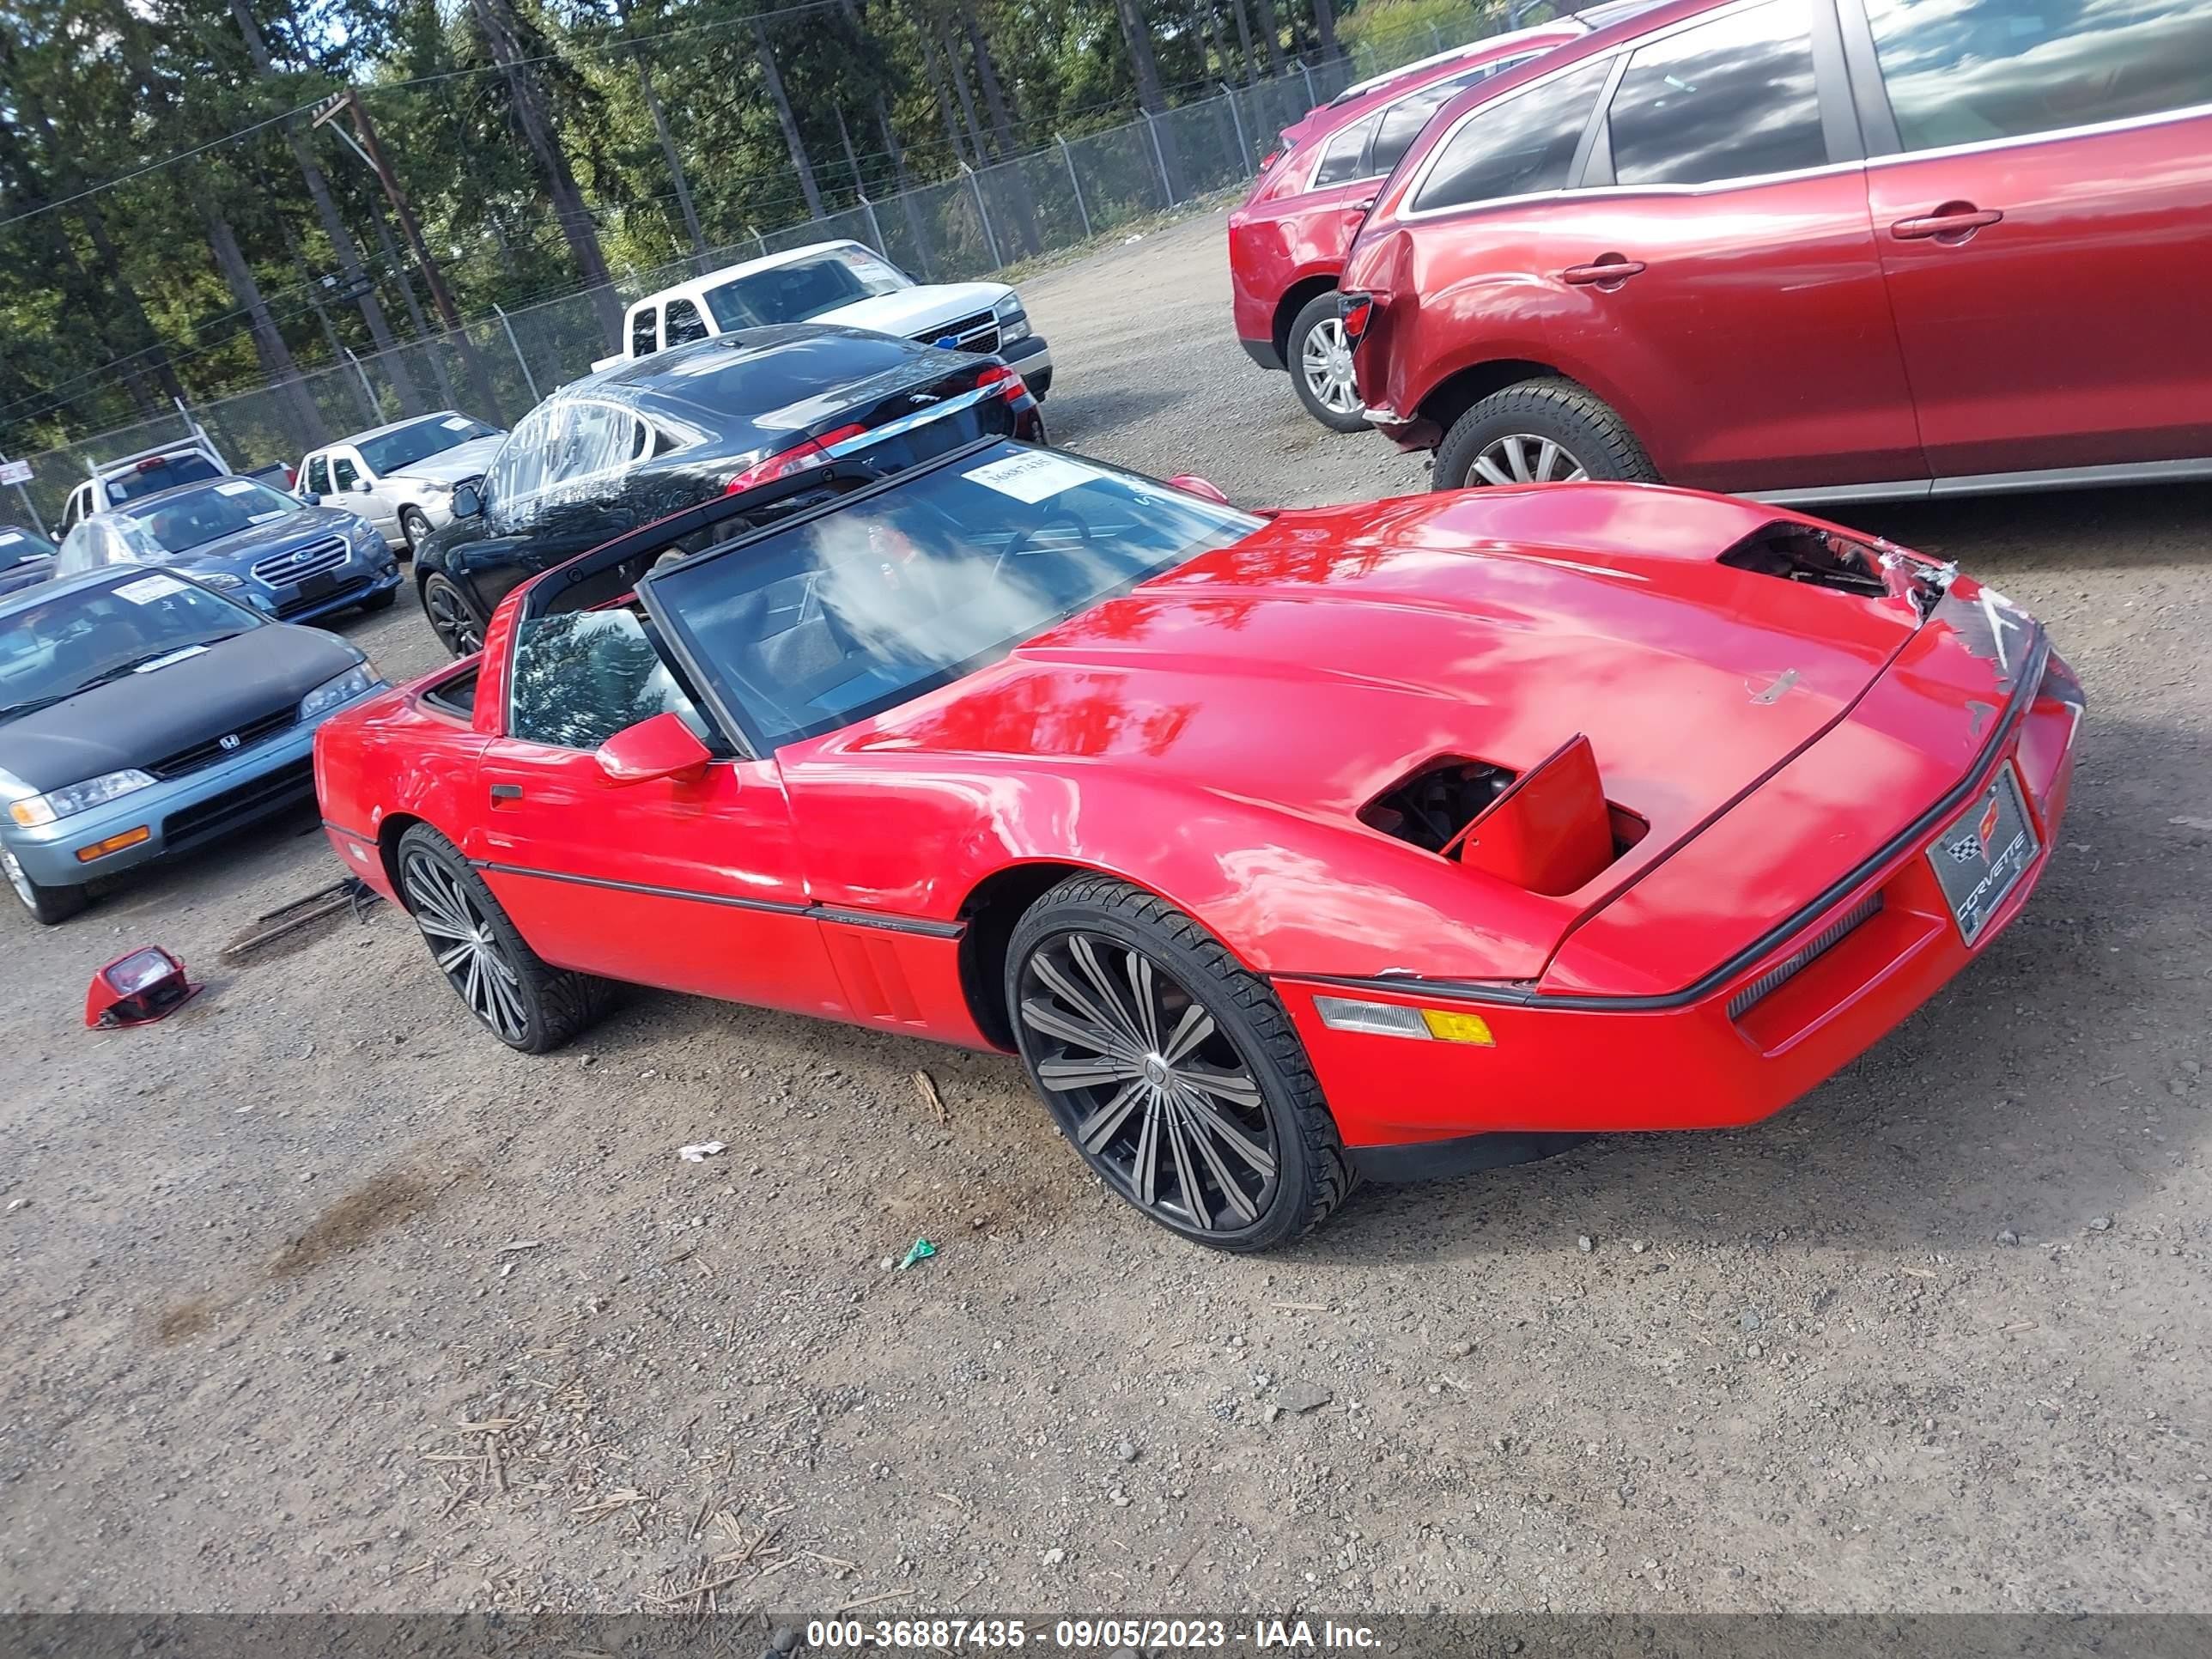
316,1297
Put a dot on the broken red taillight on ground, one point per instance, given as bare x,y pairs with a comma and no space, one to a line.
138,989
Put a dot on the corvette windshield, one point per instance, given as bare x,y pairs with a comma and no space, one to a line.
835,617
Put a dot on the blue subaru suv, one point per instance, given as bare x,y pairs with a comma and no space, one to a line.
244,540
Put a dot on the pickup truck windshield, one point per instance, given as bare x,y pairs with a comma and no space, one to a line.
159,472
803,289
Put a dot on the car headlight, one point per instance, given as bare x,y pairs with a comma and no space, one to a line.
367,539
1013,321
342,687
222,581
35,809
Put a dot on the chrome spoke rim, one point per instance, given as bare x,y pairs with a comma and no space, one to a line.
464,945
19,878
1148,1082
1520,458
1325,360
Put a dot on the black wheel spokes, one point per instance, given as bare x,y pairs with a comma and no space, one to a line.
467,949
1148,1084
449,615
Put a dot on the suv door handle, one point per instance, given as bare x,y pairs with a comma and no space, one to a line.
1954,221
1608,271
1365,206
500,791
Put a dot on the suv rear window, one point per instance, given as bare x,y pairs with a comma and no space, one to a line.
1967,72
1525,144
1731,99
146,476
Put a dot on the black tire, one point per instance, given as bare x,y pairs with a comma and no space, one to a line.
1320,313
414,531
381,601
1558,412
49,906
1228,1029
452,617
532,1006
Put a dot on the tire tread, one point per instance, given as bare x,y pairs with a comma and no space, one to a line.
1618,446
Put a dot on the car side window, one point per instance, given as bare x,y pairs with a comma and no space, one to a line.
582,676
684,323
1399,125
1731,98
1967,72
1341,161
645,331
344,475
1516,148
316,475
514,473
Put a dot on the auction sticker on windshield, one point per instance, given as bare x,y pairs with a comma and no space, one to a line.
456,424
1031,477
147,589
236,487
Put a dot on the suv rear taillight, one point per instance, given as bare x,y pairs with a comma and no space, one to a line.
1355,312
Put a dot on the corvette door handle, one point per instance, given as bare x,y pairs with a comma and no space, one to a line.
1952,221
1607,271
500,791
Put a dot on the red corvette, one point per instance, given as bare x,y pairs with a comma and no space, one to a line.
1400,838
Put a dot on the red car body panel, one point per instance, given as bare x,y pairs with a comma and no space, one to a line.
1213,734
1779,334
1287,241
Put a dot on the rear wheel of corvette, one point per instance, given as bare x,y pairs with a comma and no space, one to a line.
1549,431
1176,1073
526,1003
1320,366
451,619
47,905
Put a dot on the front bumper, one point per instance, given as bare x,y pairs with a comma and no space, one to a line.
1738,1047
1032,358
179,814
360,590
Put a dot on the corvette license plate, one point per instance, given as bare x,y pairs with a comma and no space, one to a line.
1982,853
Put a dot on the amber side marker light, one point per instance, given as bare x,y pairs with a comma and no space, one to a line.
1394,1019
101,849
148,985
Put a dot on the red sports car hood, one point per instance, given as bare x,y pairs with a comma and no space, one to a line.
1335,652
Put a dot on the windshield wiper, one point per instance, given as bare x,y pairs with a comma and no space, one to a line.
32,705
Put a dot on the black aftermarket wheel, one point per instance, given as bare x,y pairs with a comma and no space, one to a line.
1176,1073
451,618
525,1004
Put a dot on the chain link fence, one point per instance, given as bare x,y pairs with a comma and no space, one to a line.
1072,191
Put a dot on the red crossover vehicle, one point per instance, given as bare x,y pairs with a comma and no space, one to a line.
1810,248
1287,242
1280,847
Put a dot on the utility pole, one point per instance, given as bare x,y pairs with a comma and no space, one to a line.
372,152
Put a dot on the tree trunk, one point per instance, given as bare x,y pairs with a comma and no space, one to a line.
897,151
342,246
1324,24
1016,187
675,161
1136,31
967,98
1271,34
269,346
496,19
926,31
788,122
1244,39
422,323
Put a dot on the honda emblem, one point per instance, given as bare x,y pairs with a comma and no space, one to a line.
228,740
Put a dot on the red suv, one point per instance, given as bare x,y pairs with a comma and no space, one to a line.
1287,242
1810,248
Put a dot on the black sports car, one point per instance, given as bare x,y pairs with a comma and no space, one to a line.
654,435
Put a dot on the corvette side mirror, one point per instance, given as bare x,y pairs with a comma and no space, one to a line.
662,747
1191,484
468,501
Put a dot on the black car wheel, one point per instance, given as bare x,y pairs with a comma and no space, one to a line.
507,985
47,905
414,530
1176,1073
1549,431
1320,357
451,617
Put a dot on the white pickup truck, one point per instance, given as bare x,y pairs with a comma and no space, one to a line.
839,282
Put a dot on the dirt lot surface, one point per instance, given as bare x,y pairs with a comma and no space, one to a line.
315,1296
